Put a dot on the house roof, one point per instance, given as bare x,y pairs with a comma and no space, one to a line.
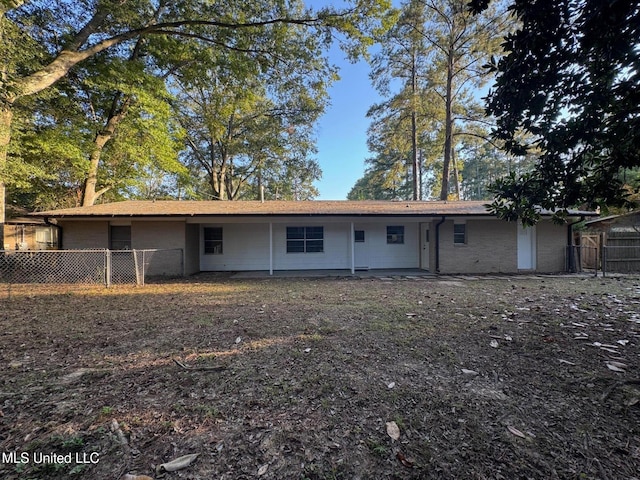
20,216
629,217
175,208
629,220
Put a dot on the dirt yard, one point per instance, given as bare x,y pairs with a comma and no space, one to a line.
488,378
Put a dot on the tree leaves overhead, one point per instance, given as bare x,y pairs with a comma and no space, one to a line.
429,68
82,51
569,77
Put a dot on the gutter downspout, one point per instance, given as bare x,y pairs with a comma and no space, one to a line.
572,257
438,244
47,221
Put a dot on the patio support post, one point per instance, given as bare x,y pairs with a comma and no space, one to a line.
270,248
352,236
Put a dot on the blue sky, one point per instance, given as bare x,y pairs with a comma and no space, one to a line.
342,131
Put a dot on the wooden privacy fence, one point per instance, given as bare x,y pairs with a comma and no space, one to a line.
613,252
622,251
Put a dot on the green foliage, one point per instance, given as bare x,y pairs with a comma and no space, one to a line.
569,78
107,119
255,127
428,67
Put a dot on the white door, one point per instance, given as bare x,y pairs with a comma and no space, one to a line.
361,255
526,247
424,255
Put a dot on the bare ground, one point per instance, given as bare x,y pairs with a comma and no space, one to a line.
496,378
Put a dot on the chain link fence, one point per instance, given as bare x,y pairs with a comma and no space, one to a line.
89,266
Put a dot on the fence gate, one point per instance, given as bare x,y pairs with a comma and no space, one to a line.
590,251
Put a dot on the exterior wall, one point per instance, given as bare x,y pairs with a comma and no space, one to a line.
245,246
157,234
336,254
491,245
84,235
380,254
551,246
491,248
22,236
169,236
192,249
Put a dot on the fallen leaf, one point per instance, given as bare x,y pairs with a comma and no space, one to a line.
390,385
307,350
404,460
411,314
616,366
623,342
128,476
566,361
516,432
263,469
393,430
508,338
238,340
469,372
610,350
179,463
494,343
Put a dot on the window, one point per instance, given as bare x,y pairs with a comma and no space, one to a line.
305,239
395,234
213,240
358,236
46,238
459,234
120,238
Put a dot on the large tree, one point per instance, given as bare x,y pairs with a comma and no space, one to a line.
69,33
570,78
434,56
249,124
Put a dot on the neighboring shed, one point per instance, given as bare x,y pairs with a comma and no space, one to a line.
441,237
615,240
22,232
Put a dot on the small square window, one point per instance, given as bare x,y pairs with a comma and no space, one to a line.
459,234
213,240
358,236
395,234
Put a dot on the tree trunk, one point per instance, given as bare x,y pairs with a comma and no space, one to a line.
448,127
414,129
89,195
456,173
6,118
117,113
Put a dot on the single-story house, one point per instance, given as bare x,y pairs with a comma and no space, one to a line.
24,232
436,236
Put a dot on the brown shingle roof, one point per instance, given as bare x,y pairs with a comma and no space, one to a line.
163,208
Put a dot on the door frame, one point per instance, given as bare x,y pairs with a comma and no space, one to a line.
526,248
425,245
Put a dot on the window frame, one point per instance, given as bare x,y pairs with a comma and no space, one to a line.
119,237
395,237
304,239
460,235
213,246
